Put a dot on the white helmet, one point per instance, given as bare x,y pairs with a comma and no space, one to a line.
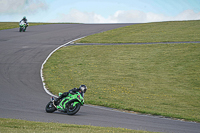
83,88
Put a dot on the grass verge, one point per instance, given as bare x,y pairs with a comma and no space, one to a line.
177,31
160,79
19,126
10,25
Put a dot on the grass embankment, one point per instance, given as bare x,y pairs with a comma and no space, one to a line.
156,79
161,79
177,31
10,25
20,126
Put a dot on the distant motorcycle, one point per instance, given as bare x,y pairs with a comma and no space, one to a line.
70,104
22,26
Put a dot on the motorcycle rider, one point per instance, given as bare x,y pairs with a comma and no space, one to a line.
25,21
82,89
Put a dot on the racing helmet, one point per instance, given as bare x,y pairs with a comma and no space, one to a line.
82,88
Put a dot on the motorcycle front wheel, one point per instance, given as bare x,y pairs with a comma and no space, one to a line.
24,29
50,108
20,29
73,110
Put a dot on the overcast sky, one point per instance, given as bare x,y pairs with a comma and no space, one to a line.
99,11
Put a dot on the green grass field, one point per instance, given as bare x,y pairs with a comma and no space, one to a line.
158,79
10,25
161,79
177,31
22,126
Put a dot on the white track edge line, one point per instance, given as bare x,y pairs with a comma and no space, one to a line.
41,72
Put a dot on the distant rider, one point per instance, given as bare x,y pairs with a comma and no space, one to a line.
25,21
82,89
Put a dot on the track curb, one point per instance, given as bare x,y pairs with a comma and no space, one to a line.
41,72
70,43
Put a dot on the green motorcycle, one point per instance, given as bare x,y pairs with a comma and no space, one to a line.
22,26
70,104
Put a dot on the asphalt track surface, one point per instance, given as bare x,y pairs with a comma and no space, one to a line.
21,90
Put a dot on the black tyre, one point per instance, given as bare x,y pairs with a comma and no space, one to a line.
50,108
20,29
73,110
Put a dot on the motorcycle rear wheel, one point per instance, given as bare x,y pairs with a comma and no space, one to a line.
50,108
73,110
